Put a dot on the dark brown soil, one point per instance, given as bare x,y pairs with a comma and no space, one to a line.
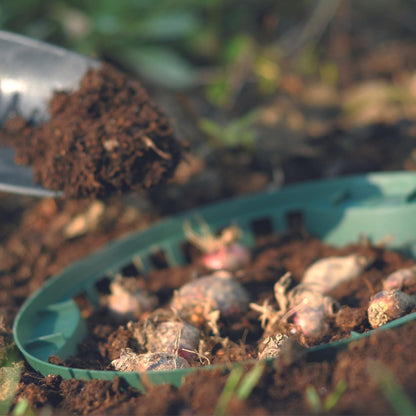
106,137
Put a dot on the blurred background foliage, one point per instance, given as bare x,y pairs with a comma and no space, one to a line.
173,42
183,43
235,53
176,43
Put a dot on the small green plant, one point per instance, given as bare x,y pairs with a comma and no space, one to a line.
391,389
244,61
23,408
238,132
318,405
236,61
238,387
10,370
310,63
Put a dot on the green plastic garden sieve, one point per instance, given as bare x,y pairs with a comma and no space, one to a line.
338,211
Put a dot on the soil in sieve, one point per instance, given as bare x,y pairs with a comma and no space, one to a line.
240,338
106,137
283,386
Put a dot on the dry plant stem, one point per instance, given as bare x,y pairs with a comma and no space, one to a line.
268,315
203,359
303,294
205,241
174,337
312,29
151,145
305,305
281,289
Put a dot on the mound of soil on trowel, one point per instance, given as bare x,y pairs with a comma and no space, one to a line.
106,137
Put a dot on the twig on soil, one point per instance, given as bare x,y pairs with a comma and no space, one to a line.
151,145
268,316
313,29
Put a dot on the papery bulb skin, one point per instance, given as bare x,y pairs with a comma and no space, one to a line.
311,322
272,346
329,272
155,361
218,292
173,337
388,305
402,278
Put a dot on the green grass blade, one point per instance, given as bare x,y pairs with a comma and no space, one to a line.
23,408
10,370
250,381
392,390
334,397
313,399
229,390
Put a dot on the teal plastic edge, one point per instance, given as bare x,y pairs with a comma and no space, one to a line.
335,210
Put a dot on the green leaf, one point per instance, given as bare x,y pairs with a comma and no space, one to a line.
392,390
229,390
236,47
313,399
107,24
250,381
334,397
239,387
210,127
170,26
9,376
238,132
217,93
161,65
23,408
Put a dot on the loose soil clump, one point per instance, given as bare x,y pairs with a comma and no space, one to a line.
107,137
